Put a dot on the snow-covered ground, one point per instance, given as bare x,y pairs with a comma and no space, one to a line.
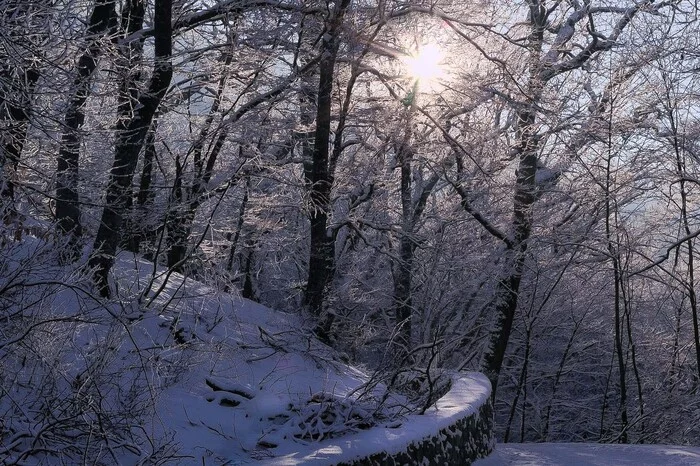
258,388
590,454
254,383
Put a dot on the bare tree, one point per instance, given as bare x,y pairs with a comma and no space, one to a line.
548,55
21,58
101,25
130,140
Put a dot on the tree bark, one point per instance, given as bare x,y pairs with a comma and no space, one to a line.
516,251
523,199
16,112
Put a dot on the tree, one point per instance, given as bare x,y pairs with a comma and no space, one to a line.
21,59
320,176
548,56
101,25
131,135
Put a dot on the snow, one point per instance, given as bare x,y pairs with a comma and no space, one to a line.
590,454
253,375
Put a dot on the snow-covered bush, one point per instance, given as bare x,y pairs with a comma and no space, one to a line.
324,416
77,386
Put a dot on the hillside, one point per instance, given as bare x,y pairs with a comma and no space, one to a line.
171,371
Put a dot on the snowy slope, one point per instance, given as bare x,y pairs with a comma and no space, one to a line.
261,389
171,371
255,383
167,370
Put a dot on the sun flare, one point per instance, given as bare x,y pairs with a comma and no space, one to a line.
426,63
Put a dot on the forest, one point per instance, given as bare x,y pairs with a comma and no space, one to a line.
503,186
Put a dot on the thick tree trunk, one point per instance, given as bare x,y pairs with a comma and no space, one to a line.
102,21
508,287
321,247
523,200
320,179
130,140
19,73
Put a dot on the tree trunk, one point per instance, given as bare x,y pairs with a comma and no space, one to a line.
522,388
128,65
555,384
239,226
102,20
508,288
140,228
15,110
179,228
685,223
247,291
404,267
619,323
19,73
613,245
146,193
320,179
523,200
130,140
632,350
403,270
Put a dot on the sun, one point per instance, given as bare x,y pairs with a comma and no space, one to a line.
425,64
